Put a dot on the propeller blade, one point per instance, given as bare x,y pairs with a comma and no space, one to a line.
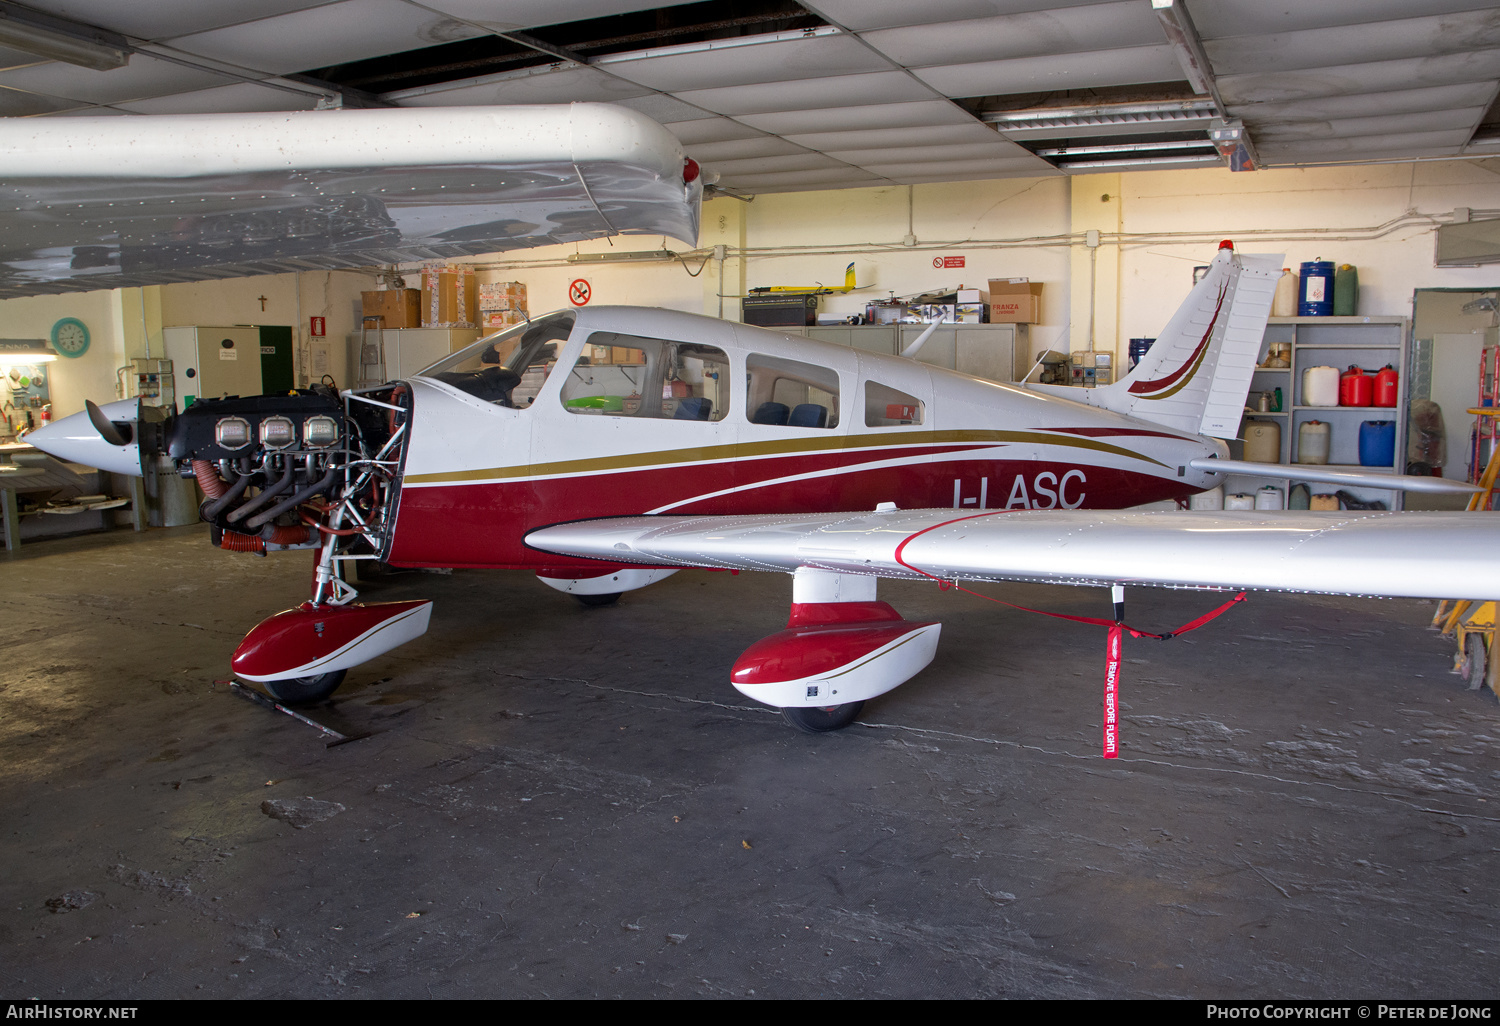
102,424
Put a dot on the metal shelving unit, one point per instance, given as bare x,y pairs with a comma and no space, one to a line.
1368,342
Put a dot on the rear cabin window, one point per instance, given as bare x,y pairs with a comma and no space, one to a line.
620,375
889,407
790,393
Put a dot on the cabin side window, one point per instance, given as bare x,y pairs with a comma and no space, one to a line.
621,375
508,368
790,393
890,407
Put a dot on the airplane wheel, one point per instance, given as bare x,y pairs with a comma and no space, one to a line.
821,721
305,690
599,600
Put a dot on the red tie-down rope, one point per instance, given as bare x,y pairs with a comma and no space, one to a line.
1112,647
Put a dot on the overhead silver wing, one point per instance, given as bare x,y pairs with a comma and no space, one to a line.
106,202
1398,555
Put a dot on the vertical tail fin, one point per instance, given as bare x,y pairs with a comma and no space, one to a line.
1197,373
849,278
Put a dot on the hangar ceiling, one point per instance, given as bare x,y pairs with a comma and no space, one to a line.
777,95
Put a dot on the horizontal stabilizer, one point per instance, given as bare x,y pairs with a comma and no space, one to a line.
1318,474
1420,555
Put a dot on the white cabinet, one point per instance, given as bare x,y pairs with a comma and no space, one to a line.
210,362
408,350
999,352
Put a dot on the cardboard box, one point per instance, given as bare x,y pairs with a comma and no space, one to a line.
1015,302
397,308
502,295
496,319
449,298
627,355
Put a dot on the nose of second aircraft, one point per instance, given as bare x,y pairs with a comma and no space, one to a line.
77,440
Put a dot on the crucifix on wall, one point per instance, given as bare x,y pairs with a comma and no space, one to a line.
262,304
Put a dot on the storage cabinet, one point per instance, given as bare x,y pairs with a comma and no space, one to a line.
998,352
1338,342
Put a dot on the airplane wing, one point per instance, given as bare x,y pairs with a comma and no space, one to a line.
109,202
1397,555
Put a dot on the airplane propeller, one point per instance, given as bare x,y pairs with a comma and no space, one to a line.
108,430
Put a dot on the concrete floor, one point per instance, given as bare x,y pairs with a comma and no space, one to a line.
570,802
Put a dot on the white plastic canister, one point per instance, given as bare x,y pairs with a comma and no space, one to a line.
1239,500
1269,497
1313,441
1211,499
1262,441
1320,386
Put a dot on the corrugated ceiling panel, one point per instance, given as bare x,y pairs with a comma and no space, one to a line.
143,77
1405,101
1070,29
925,135
716,153
1464,118
349,30
710,130
881,87
1257,17
876,115
911,154
1370,145
932,179
963,168
776,165
503,15
162,19
878,14
1129,66
663,109
242,98
1355,44
15,104
827,178
736,64
564,83
1413,73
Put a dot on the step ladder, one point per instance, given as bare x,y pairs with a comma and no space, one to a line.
1475,633
371,352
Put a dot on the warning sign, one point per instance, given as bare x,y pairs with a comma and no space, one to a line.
943,262
579,292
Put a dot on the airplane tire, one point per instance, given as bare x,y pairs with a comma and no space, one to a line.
305,690
821,721
1478,660
599,600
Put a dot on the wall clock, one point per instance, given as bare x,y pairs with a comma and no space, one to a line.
70,337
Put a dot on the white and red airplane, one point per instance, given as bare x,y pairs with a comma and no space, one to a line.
605,448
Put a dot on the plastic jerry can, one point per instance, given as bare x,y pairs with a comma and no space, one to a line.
1356,388
1320,386
1377,443
1239,500
1345,290
1325,502
1284,303
1300,498
1387,386
1269,497
1262,441
1211,499
1313,440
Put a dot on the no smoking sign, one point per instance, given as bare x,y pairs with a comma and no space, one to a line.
579,292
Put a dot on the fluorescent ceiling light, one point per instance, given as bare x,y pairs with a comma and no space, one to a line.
1102,114
1181,144
15,351
62,40
618,258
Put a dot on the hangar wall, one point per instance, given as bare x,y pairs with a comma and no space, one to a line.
1155,227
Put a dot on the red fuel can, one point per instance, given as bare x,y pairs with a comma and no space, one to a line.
1386,381
1356,388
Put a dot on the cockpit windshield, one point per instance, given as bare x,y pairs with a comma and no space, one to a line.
508,368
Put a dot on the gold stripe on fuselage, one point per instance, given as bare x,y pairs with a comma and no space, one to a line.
752,450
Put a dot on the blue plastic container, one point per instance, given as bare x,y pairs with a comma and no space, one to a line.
1377,443
1138,347
1315,289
